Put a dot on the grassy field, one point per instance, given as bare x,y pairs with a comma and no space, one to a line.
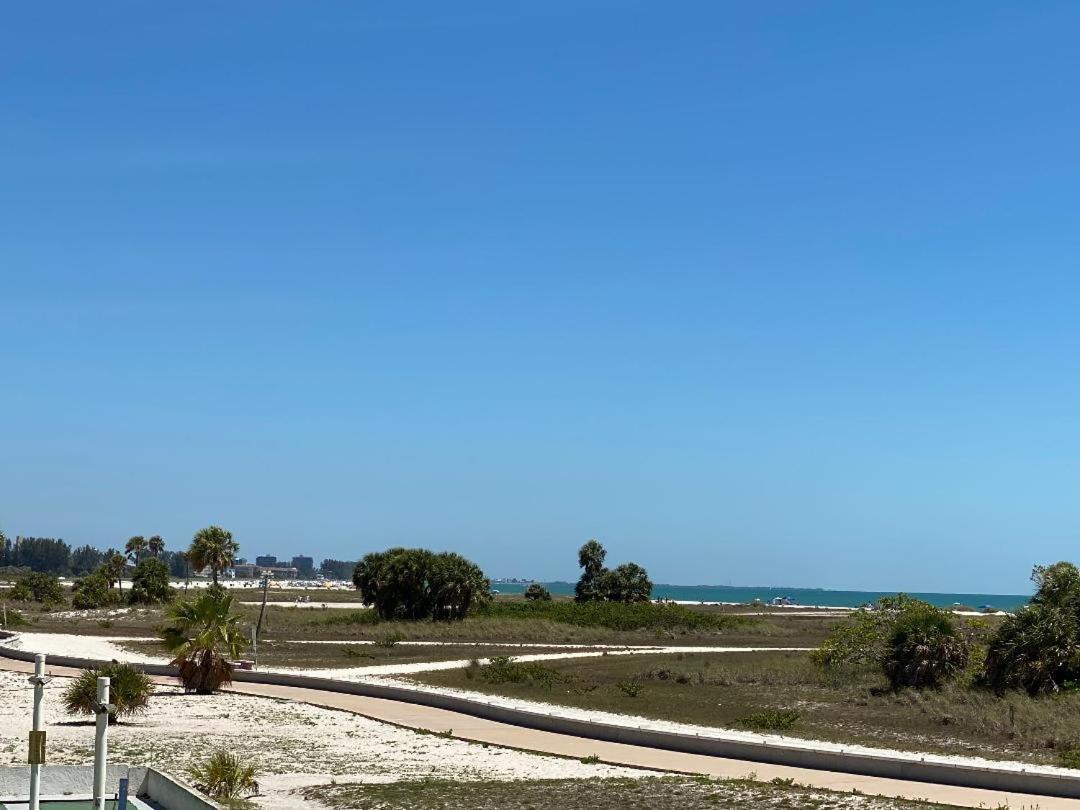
509,621
686,793
784,692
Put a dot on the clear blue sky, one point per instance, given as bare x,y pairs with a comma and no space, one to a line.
754,292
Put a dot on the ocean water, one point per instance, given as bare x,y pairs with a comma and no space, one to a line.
801,596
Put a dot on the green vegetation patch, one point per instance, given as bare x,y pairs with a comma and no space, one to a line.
774,720
616,615
649,793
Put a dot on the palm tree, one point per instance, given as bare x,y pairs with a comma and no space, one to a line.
135,547
225,776
213,548
155,545
114,569
129,691
204,635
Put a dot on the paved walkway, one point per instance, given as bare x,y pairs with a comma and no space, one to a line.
487,731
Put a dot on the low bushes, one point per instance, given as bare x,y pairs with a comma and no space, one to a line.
769,720
537,593
923,648
614,615
505,669
93,591
38,587
912,642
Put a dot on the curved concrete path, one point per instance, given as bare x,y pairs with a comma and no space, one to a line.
479,730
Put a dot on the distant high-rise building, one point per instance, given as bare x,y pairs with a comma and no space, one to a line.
305,565
266,561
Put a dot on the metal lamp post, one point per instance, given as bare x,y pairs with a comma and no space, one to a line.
37,736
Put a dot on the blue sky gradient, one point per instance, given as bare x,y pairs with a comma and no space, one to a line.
756,293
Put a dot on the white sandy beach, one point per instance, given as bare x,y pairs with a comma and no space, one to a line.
292,744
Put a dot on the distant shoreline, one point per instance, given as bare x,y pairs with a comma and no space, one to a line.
820,598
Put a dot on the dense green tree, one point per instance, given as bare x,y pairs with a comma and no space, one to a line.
203,636
628,582
45,555
92,591
86,559
1037,648
150,583
213,548
177,562
591,559
414,583
537,593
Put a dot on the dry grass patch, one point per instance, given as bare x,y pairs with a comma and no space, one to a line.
686,793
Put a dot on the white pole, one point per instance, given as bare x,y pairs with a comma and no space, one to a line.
101,743
39,695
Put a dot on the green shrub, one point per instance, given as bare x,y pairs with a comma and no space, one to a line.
129,690
504,669
38,587
912,642
614,615
150,583
389,641
1038,647
770,720
92,591
629,688
224,776
15,618
924,648
1069,758
537,592
362,616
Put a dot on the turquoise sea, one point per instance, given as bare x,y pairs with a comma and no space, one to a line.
800,596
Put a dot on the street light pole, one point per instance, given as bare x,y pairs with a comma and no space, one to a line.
39,694
262,610
101,742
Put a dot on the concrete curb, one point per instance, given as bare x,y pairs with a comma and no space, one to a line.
884,764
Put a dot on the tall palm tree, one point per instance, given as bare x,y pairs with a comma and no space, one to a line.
213,548
114,569
204,635
135,548
155,545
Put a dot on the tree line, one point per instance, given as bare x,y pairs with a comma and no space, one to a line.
52,555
